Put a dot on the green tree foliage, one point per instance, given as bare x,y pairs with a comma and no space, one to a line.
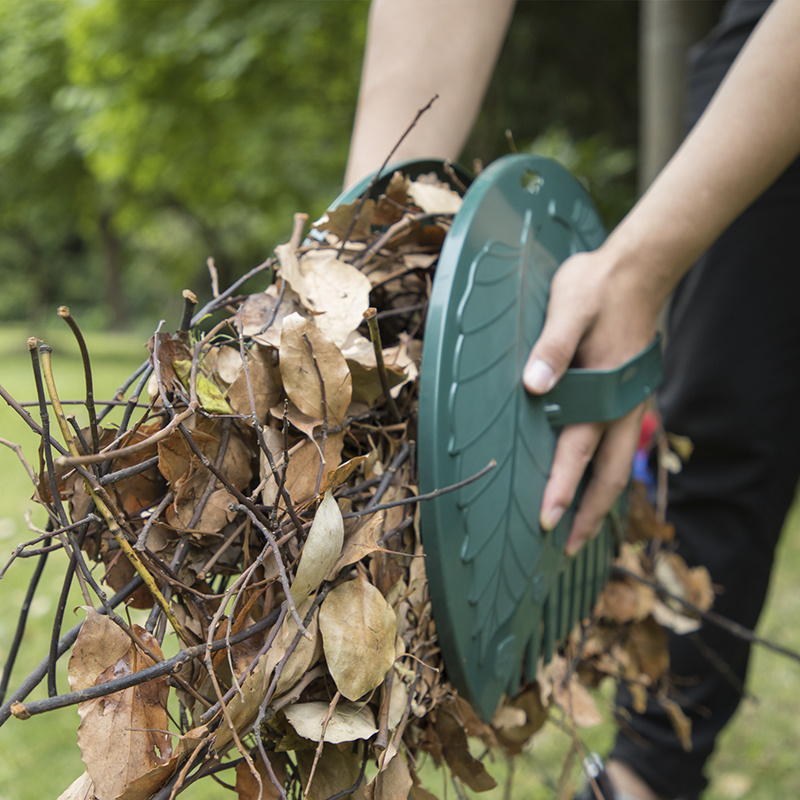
168,132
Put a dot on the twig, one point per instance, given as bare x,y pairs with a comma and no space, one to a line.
128,472
388,476
324,403
141,542
189,302
420,498
63,312
729,625
377,176
157,670
21,623
375,336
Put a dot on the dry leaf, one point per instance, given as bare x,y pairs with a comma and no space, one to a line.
265,383
309,361
247,786
336,293
321,550
303,470
81,788
681,724
337,770
339,221
434,198
358,629
122,735
455,751
348,722
393,783
262,315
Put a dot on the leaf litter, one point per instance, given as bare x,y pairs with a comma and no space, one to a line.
248,486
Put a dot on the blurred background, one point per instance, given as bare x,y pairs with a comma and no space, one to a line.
139,138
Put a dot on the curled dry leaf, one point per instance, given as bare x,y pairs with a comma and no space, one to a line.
393,783
561,686
359,629
321,550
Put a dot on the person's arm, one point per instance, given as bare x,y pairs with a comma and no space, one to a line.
417,49
604,304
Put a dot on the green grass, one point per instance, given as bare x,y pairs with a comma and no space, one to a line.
39,758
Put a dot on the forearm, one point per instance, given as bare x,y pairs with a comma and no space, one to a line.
748,135
417,49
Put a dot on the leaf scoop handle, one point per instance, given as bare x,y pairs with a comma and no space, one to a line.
600,395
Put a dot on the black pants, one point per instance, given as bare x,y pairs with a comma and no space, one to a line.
733,387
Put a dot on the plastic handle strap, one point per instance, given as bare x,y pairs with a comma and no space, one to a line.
598,395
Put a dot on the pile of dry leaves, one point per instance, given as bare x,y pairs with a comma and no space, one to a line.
259,497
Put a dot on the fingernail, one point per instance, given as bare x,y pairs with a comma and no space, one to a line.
538,377
549,521
573,546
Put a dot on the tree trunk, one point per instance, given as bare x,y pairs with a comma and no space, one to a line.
116,302
668,30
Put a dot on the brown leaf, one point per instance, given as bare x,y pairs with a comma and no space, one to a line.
339,220
336,293
336,771
263,315
246,784
122,735
568,693
307,354
171,348
455,751
81,788
321,550
359,629
393,783
434,198
643,524
647,645
514,736
303,468
681,724
265,382
307,652
359,542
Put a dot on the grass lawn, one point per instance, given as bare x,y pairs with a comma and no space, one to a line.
39,757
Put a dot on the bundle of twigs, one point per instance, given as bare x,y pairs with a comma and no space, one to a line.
258,497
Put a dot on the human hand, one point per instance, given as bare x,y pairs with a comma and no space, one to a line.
600,314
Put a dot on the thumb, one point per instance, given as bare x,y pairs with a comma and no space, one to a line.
552,354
